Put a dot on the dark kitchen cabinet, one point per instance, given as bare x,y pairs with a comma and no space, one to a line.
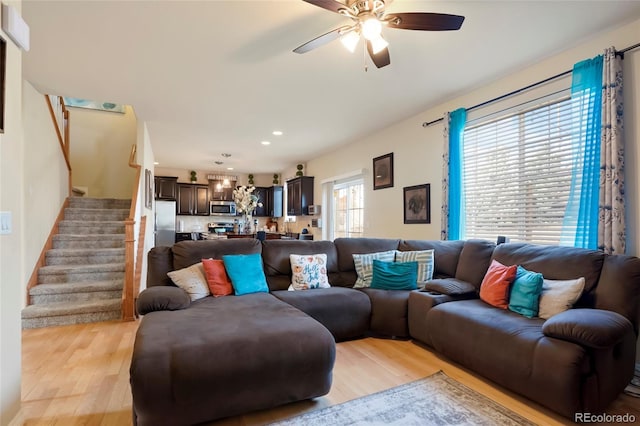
165,187
219,192
299,195
192,199
271,199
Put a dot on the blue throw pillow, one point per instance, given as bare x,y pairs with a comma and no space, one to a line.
246,273
394,275
525,293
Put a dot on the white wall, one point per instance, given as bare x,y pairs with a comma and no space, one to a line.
11,246
100,146
146,159
418,151
46,182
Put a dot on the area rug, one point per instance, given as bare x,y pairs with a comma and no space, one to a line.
633,388
434,400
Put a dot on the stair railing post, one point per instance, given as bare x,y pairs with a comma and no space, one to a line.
128,310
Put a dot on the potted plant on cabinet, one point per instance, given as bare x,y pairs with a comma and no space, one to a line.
193,178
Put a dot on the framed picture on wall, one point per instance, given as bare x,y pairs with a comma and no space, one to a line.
383,171
417,204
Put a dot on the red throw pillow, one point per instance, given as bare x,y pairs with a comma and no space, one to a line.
495,285
217,278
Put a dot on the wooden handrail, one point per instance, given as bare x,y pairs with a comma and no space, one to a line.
62,134
128,290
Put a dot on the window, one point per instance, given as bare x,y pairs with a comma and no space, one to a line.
517,174
348,209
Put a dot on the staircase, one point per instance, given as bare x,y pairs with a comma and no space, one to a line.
84,273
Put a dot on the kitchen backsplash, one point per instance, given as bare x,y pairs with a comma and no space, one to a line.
199,223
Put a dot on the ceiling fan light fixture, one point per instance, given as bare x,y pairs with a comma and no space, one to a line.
350,40
371,28
378,44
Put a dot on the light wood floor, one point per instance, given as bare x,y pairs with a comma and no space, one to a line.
79,375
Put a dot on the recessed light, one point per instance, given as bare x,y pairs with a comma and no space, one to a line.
265,143
229,168
219,163
155,163
277,133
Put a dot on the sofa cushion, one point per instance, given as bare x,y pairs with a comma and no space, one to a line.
309,271
347,247
558,296
344,311
277,264
227,356
394,275
554,262
389,312
445,254
425,263
511,350
450,286
494,289
192,280
246,274
474,260
364,265
525,292
594,328
162,298
217,277
159,263
186,253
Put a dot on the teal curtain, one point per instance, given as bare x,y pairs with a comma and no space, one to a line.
580,225
457,121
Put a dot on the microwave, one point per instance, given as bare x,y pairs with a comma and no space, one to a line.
224,208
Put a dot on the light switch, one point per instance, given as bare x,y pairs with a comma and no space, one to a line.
5,223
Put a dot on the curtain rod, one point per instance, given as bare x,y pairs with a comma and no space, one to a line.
523,89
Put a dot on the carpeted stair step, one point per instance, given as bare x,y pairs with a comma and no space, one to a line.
63,241
96,214
76,292
83,227
98,203
91,256
64,313
78,273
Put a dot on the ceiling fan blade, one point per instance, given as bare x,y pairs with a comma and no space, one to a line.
321,40
331,5
380,59
425,21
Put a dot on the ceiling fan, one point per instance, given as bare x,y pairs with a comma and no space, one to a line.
368,18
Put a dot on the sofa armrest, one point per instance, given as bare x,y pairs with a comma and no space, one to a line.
594,328
162,298
450,287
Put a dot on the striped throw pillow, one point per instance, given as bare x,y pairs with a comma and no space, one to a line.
364,266
425,263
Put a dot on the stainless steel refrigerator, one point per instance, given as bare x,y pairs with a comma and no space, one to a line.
165,228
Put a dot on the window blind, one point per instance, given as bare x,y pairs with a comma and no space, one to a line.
517,174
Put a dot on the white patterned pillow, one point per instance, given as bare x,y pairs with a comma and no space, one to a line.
192,280
364,266
558,296
425,263
308,271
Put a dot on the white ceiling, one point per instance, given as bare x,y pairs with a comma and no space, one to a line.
213,77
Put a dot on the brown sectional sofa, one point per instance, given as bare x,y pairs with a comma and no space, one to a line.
218,357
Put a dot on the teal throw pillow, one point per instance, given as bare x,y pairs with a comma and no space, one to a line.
246,273
394,275
525,293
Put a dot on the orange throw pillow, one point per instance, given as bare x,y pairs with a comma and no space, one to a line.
494,289
217,278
